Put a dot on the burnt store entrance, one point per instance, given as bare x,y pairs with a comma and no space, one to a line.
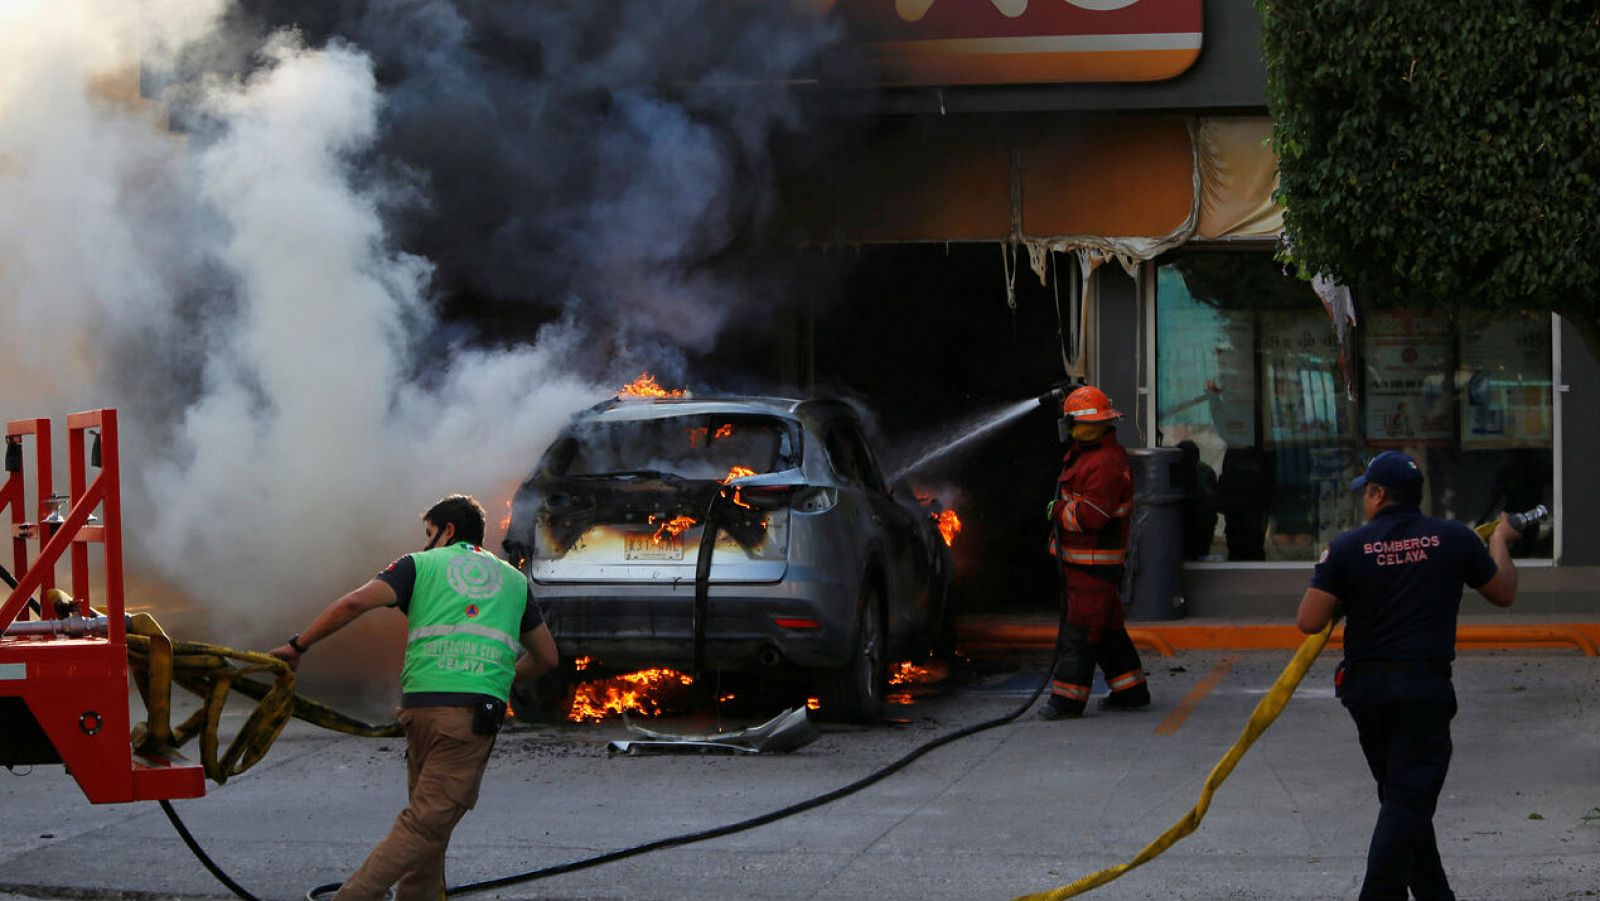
924,335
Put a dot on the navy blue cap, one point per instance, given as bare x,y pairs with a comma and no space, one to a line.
1391,469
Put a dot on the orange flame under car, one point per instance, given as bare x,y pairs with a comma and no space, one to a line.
907,673
640,692
647,386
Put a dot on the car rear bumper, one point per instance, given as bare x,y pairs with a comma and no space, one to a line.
749,627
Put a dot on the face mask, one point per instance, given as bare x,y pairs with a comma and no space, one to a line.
1090,431
437,534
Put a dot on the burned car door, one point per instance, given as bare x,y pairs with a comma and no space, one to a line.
893,526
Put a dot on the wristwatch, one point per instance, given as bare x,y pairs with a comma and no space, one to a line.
294,642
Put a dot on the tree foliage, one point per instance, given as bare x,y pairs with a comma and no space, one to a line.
1442,154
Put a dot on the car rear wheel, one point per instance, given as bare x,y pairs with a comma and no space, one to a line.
854,692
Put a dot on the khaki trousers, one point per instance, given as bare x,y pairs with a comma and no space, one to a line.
444,767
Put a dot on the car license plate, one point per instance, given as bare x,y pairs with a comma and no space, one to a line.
645,546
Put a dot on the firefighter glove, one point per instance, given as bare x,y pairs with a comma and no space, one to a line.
1050,509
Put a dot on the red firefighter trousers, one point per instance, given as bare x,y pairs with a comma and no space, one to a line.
1092,634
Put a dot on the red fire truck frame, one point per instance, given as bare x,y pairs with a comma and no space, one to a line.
64,693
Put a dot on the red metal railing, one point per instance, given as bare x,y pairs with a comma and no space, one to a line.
64,697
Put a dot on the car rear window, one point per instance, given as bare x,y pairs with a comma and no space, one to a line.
692,447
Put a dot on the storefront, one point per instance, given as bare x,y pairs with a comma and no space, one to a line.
1144,213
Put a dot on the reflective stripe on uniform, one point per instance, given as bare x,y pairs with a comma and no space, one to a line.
1126,680
1069,511
1068,690
1094,556
462,629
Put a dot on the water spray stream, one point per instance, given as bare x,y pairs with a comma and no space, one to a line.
965,432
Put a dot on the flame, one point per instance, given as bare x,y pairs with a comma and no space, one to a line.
724,431
671,528
505,521
582,663
946,521
907,673
635,692
813,704
647,386
738,472
899,698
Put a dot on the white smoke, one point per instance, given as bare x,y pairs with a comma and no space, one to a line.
235,293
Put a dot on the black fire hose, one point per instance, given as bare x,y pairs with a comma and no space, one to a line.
702,583
702,570
5,576
674,841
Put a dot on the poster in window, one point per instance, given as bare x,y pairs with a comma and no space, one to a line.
1407,380
1205,363
1300,396
1505,384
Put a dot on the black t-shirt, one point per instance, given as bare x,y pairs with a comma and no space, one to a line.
401,575
1399,578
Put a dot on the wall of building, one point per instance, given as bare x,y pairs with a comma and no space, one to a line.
1579,390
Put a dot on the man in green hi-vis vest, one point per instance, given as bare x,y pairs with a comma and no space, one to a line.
467,612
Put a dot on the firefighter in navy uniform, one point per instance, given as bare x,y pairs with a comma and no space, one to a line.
1397,581
467,612
1089,518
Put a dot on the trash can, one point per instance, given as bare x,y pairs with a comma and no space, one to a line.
1155,539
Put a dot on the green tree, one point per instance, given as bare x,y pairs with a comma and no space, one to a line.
1442,154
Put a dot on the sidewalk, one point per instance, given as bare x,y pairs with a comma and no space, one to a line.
1487,631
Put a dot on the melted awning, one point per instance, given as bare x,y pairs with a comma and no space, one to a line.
1123,187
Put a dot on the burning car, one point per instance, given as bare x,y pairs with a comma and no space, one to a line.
733,535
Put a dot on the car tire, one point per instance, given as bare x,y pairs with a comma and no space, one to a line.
854,692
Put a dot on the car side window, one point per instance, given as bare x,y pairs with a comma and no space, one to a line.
851,458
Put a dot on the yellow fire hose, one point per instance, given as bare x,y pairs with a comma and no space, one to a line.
1272,704
212,672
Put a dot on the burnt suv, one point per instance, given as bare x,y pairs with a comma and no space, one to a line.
736,535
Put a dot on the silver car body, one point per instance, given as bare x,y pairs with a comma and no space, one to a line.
787,595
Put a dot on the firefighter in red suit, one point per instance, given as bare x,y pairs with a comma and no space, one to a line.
1089,519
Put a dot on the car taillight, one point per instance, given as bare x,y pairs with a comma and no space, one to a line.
814,500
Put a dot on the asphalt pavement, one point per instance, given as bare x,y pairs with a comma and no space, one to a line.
1020,808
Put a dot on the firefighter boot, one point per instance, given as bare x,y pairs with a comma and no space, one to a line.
1058,708
1126,699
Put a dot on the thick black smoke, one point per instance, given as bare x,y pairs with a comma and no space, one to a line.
613,155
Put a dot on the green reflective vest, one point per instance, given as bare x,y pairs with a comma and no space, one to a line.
466,610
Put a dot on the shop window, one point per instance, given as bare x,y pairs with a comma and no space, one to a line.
1250,384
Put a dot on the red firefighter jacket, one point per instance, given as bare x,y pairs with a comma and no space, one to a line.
1094,497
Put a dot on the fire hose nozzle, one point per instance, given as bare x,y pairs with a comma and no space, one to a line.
1520,521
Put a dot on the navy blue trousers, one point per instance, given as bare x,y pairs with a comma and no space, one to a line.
1403,720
